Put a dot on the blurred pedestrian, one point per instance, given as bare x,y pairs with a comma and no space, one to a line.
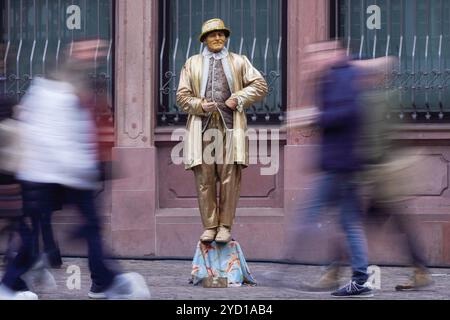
60,155
384,178
387,168
339,120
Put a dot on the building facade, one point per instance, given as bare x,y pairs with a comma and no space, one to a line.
153,210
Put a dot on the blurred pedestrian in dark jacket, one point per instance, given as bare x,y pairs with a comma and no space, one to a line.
339,119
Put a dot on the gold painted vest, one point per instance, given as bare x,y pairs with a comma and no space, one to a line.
217,90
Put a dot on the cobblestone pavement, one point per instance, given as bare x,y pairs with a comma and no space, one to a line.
169,279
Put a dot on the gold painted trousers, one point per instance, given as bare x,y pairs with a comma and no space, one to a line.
217,213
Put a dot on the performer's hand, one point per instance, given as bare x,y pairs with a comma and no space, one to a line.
231,103
209,106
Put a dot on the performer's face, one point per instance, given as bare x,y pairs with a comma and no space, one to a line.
216,41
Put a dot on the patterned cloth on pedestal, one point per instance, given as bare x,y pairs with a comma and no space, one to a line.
221,260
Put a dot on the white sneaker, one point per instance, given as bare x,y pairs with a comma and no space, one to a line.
97,292
8,294
130,286
97,295
40,277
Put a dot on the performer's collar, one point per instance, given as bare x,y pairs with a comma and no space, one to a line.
217,56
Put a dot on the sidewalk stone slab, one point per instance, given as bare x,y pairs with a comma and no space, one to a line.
169,280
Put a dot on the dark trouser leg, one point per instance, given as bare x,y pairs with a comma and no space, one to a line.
50,246
35,230
22,262
31,209
101,275
38,203
47,232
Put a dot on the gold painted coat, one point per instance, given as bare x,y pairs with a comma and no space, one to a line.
248,87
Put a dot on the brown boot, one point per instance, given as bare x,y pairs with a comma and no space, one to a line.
420,279
224,235
208,235
329,280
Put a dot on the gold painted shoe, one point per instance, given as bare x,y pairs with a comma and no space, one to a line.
208,235
224,235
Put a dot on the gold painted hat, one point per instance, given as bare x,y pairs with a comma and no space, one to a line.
213,25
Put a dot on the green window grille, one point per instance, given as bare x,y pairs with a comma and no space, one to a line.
415,31
33,34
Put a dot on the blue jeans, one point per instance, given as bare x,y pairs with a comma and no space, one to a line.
101,275
340,190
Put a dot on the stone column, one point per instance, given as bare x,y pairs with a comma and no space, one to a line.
308,22
134,195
